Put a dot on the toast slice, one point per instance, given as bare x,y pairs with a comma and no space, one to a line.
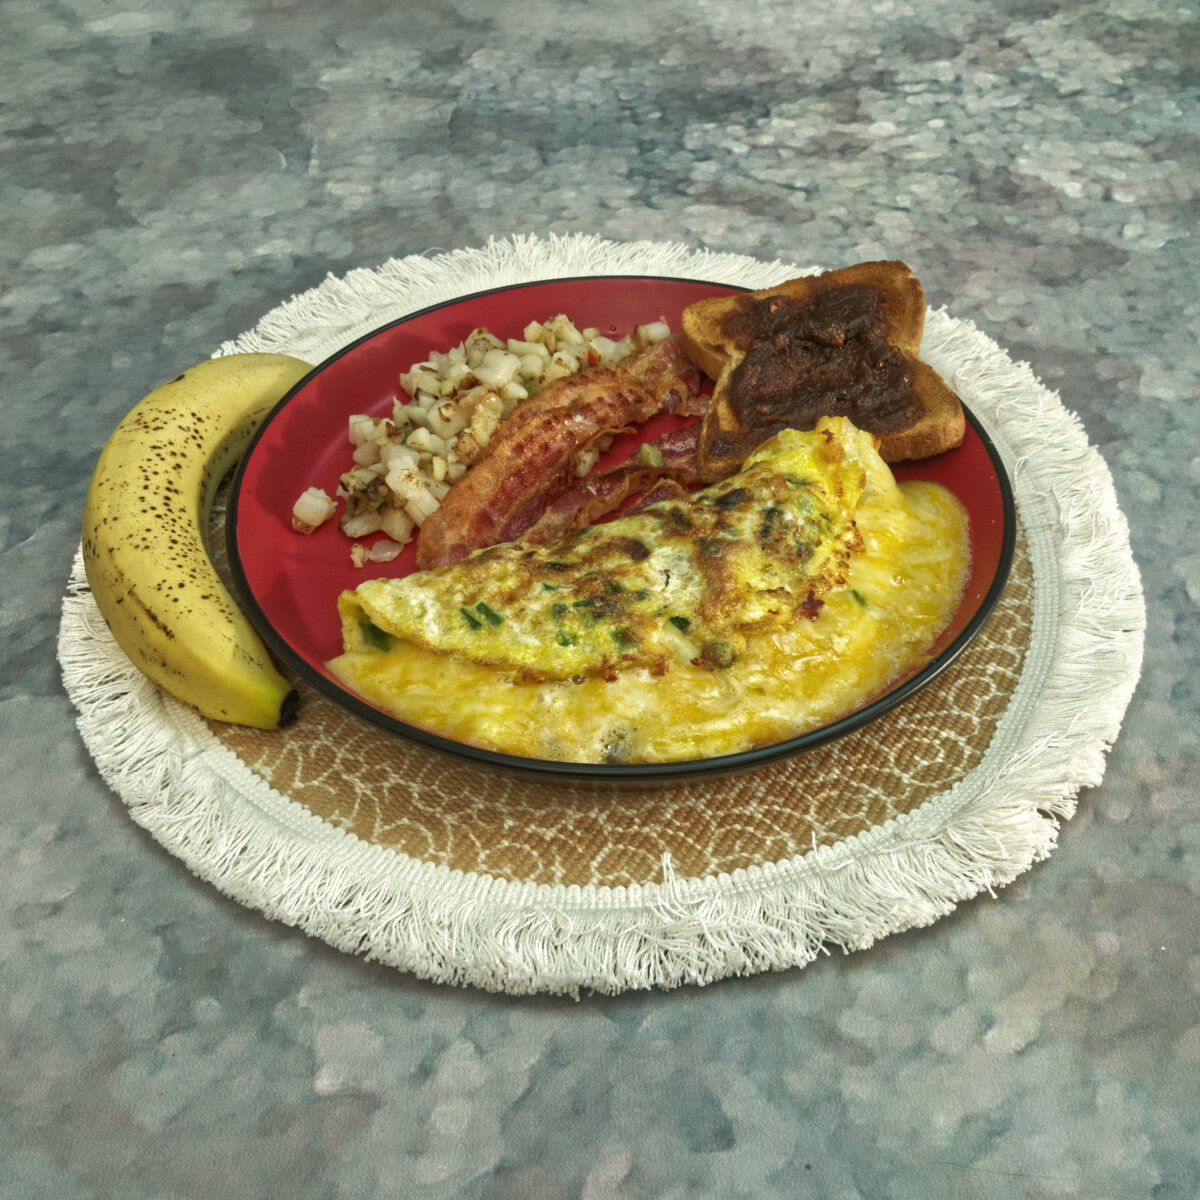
842,343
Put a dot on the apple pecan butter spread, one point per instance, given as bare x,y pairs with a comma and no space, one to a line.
823,356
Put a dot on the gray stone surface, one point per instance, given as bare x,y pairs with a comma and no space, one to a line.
169,172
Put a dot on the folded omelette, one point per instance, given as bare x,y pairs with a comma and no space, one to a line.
758,608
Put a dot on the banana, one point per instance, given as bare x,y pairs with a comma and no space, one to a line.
145,538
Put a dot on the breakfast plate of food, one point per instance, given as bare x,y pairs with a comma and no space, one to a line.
559,515
626,528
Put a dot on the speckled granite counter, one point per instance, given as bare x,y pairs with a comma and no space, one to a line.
171,173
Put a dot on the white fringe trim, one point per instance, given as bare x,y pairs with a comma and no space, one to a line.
271,854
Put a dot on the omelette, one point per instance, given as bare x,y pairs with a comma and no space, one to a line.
760,607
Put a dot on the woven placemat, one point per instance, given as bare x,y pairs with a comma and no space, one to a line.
470,876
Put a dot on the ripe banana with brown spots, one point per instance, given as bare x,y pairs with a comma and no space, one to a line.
145,538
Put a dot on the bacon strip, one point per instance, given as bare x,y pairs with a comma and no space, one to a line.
604,492
532,458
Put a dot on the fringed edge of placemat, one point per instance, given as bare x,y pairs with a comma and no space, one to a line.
321,321
206,807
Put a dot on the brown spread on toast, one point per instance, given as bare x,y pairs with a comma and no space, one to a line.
843,343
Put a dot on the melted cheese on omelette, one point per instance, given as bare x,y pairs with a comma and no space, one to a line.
762,607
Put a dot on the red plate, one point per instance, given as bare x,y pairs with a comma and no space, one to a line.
289,583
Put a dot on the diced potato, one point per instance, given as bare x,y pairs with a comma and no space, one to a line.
479,344
454,375
480,397
396,455
651,334
559,367
424,440
312,509
397,524
361,478
422,378
485,420
405,482
447,419
421,506
497,368
365,429
362,524
565,330
536,350
468,447
600,349
537,333
532,366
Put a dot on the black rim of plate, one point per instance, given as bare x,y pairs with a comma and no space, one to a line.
606,774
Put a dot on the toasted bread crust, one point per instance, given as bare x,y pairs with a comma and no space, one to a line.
941,424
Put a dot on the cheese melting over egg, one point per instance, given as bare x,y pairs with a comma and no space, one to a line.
755,610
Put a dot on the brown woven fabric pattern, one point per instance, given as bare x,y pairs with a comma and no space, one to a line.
387,791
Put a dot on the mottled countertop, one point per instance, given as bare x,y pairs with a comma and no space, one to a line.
173,171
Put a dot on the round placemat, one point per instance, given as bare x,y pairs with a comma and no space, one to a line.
464,875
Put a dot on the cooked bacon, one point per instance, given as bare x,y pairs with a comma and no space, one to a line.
604,492
532,458
664,489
